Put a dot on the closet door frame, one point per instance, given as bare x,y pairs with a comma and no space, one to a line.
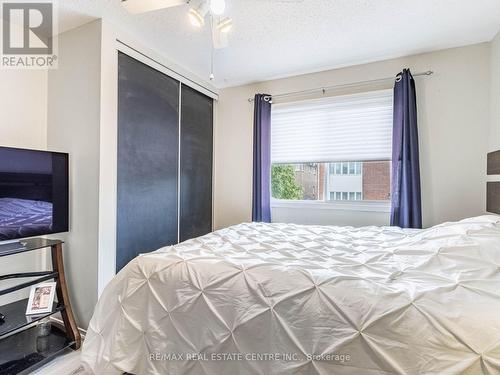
116,40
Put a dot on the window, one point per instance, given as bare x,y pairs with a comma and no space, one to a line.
352,167
344,168
358,168
333,149
339,195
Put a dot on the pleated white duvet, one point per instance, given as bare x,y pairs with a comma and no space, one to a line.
292,299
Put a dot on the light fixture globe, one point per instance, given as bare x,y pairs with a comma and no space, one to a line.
217,7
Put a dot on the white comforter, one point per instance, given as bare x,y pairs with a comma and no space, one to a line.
292,299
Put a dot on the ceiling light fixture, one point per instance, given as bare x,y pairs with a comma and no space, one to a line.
217,7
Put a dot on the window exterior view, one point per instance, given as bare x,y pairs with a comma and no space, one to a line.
337,181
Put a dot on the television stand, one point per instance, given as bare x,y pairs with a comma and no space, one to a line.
13,247
22,349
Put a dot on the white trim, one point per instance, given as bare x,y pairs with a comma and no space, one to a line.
108,158
179,167
215,113
493,178
362,206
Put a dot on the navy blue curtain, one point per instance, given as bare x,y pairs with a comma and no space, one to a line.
406,206
261,201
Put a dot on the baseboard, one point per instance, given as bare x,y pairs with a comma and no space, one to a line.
82,331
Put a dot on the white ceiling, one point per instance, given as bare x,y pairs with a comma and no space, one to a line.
278,38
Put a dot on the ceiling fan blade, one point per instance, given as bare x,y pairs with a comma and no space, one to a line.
220,40
142,6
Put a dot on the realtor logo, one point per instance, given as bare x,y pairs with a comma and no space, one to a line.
27,34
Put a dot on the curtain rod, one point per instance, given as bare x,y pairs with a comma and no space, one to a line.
324,89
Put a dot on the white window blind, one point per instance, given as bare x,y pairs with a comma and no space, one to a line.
341,128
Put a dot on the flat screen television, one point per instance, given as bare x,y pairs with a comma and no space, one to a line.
33,193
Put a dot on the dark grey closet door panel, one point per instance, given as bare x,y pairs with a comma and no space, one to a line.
148,144
196,164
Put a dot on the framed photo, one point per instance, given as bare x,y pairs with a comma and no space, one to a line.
41,298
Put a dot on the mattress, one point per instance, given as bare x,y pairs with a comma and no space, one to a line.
24,218
291,299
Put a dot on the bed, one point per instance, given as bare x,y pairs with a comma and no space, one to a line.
289,299
24,218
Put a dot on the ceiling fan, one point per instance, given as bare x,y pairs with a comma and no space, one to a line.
199,11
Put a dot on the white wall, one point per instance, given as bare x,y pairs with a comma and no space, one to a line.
23,109
494,136
453,110
59,110
73,126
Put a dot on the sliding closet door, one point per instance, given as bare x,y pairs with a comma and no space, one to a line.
148,144
196,164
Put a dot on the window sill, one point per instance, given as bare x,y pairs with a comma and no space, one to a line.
362,206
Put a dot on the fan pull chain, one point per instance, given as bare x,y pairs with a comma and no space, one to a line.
212,75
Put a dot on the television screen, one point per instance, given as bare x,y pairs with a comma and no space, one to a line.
33,193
